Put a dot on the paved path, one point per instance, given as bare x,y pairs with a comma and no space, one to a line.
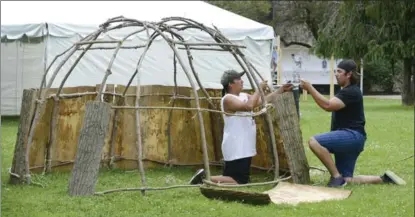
384,96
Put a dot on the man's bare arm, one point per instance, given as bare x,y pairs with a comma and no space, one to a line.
232,104
271,95
334,104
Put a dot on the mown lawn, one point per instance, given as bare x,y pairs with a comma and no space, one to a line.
390,130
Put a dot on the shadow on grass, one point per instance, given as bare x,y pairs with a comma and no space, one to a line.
9,120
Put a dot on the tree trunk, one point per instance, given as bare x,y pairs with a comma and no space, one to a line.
90,145
407,93
391,81
289,126
18,169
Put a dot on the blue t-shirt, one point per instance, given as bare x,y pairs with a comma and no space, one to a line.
352,116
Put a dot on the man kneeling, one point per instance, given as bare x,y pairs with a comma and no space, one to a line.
239,134
347,137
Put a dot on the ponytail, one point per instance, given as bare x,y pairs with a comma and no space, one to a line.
224,90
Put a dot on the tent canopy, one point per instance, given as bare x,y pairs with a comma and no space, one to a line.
64,23
66,18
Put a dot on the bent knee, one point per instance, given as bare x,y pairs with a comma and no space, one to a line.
312,142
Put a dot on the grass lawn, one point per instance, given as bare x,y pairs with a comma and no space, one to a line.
390,130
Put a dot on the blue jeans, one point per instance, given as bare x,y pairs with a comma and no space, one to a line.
346,145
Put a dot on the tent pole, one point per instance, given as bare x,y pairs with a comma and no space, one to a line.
45,53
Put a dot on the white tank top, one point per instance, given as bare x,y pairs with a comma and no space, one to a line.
239,133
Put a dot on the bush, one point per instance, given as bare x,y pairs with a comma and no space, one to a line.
383,74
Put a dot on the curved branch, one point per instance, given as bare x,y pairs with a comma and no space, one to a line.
39,108
287,44
108,72
160,28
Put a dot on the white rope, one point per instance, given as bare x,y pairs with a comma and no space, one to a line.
13,174
254,114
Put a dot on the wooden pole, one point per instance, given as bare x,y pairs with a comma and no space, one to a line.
108,72
361,75
41,95
169,122
90,144
279,57
332,77
139,142
268,121
52,135
193,85
122,101
251,77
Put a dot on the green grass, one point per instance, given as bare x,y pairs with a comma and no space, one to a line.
390,130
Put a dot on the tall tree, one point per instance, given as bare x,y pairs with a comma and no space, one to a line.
373,30
297,22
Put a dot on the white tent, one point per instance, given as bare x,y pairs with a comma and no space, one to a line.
33,33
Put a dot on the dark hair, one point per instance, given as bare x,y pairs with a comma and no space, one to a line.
355,78
224,90
350,66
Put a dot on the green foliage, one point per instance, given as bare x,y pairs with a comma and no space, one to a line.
384,73
369,29
344,33
376,31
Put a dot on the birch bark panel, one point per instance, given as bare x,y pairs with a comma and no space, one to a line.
192,149
184,146
186,143
69,122
126,136
216,125
110,99
263,157
264,150
155,123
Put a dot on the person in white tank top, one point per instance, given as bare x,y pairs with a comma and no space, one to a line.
239,133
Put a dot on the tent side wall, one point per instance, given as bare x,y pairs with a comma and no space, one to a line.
22,67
